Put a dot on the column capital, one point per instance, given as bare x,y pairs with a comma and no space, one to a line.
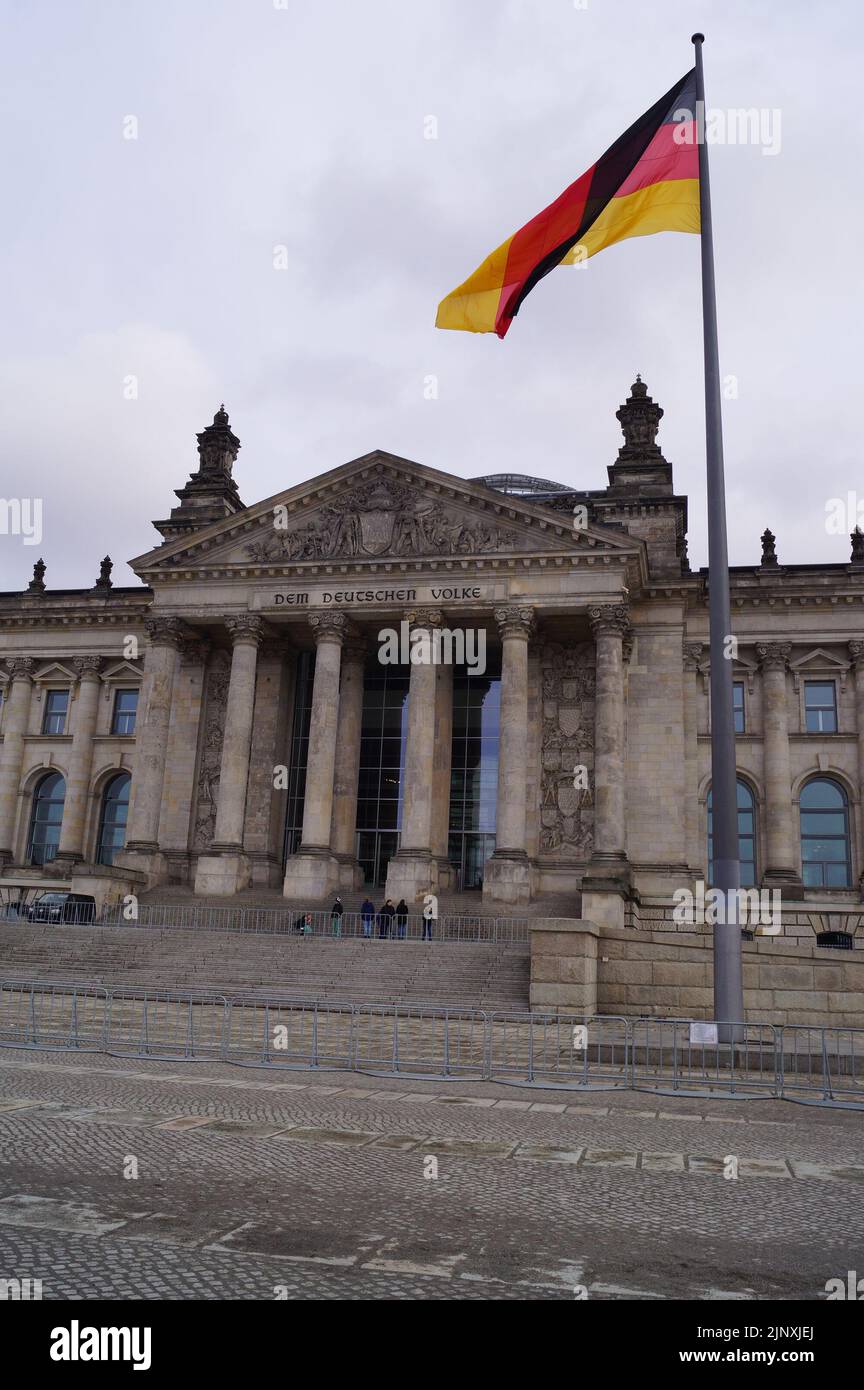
515,620
245,628
328,627
166,632
87,667
692,654
856,653
609,619
424,617
773,656
20,667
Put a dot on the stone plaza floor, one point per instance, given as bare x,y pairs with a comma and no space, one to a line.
322,1185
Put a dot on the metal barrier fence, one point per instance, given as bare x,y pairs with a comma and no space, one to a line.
823,1066
505,931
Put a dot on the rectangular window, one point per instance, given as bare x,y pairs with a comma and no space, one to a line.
56,706
125,709
820,707
738,706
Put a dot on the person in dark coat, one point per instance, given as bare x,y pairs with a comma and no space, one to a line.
401,917
367,916
385,918
336,916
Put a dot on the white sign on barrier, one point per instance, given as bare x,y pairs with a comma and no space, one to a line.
580,1037
703,1032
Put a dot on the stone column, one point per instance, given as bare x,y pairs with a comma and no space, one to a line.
441,773
508,872
313,872
15,721
225,869
605,887
347,770
71,847
781,838
695,850
413,872
151,745
856,652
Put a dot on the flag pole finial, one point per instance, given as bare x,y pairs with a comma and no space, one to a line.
697,38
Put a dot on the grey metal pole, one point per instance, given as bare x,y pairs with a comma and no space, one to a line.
728,980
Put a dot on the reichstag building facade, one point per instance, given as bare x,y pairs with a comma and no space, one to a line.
231,722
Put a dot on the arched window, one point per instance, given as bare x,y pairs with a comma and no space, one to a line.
45,819
825,857
112,823
746,836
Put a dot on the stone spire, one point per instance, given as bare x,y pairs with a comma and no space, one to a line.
104,583
641,466
769,559
37,583
857,539
211,492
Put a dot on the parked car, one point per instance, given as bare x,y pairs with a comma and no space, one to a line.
62,907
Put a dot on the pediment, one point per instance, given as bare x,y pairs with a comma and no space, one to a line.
381,507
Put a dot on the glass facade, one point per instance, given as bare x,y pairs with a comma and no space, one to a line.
299,753
382,763
474,774
746,837
115,813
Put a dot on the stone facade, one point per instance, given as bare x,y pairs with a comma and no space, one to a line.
602,632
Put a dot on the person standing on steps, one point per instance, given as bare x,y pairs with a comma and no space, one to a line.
336,916
401,918
385,918
367,916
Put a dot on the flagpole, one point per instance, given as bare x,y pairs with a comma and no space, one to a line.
728,983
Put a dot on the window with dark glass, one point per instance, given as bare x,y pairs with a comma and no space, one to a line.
125,710
820,707
738,706
299,751
746,836
383,736
115,813
45,819
825,843
474,770
56,708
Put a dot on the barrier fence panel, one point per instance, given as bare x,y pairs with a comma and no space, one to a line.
293,922
162,1023
679,1055
563,1049
53,1015
421,1041
822,1064
289,1032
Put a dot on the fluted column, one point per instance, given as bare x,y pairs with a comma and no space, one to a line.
609,624
694,848
347,767
86,707
420,741
312,872
780,836
856,652
15,720
246,634
508,875
151,733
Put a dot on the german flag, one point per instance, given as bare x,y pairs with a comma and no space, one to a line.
648,181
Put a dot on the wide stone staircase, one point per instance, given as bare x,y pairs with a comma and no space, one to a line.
465,975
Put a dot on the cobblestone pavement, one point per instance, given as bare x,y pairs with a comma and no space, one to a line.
256,1184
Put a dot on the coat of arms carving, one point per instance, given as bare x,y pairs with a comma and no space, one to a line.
567,755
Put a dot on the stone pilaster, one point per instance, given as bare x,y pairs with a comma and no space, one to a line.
413,871
15,720
694,847
151,745
71,847
609,870
313,872
347,770
225,870
265,791
176,829
856,652
780,832
508,873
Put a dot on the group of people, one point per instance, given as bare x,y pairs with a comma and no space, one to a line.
390,920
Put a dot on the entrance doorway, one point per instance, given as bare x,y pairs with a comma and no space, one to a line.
375,849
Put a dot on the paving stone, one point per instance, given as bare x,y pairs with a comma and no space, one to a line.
662,1163
609,1158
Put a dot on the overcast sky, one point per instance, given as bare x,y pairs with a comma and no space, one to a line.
303,125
